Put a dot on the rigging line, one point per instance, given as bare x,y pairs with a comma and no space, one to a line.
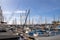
26,17
10,17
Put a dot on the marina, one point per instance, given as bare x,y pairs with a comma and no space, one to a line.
23,25
29,32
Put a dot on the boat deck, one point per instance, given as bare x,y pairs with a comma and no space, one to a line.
7,35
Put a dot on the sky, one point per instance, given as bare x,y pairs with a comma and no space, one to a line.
39,9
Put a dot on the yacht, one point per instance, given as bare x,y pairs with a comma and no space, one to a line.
8,35
46,35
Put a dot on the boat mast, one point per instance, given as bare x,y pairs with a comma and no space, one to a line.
26,17
45,21
40,20
32,21
20,19
29,19
14,21
58,19
10,17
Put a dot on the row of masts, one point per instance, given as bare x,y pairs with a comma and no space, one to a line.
31,20
27,20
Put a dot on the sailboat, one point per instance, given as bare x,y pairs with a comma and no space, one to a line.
49,34
6,34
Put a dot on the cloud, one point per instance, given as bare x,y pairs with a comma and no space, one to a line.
10,12
7,12
19,11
